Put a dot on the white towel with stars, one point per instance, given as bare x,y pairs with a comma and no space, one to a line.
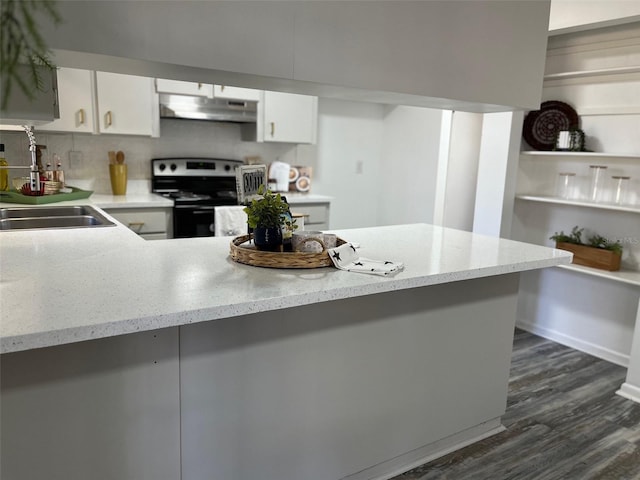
345,257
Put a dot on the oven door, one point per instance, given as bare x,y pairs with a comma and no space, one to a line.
193,221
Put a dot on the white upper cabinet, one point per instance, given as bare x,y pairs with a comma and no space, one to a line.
76,98
179,87
99,102
236,93
127,104
286,117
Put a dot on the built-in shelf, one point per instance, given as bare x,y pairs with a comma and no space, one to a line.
592,73
554,153
623,276
578,203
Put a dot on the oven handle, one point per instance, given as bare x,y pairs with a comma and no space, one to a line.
194,208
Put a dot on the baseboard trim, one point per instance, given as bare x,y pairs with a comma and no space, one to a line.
587,347
425,454
630,392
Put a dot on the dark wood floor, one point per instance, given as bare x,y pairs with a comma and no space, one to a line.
563,421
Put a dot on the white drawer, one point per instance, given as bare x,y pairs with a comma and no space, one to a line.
142,221
313,213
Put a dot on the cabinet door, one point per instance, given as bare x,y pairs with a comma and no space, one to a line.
76,98
289,118
149,223
179,87
125,104
236,93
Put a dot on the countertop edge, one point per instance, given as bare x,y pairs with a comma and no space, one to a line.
136,325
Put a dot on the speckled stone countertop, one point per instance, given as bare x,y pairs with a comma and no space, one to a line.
64,286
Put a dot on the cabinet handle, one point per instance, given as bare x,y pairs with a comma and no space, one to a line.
222,88
199,85
273,128
81,116
136,226
108,119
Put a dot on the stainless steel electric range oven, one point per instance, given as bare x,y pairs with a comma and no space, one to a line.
197,186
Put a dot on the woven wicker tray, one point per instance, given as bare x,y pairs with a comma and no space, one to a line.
242,252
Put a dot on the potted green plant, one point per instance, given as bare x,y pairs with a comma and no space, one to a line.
267,215
596,252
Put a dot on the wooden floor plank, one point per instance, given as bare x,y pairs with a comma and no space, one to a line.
563,421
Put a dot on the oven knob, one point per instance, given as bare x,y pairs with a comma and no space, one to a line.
227,168
173,167
162,166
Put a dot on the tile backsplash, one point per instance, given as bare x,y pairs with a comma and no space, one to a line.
177,138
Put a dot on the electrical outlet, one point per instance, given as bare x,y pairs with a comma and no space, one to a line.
75,159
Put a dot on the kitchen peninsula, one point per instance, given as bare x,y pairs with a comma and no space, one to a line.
130,359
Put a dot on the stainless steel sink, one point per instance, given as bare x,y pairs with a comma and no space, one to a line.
80,216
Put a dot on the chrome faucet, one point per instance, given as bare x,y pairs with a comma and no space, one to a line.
34,174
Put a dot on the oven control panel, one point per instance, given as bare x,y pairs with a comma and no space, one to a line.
194,167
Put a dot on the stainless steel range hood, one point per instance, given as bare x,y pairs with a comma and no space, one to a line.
208,109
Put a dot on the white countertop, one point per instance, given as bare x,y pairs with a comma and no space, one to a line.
64,286
301,198
151,200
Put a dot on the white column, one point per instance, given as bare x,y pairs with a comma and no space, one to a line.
457,169
631,388
497,173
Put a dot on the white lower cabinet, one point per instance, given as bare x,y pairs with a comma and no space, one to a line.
150,223
316,215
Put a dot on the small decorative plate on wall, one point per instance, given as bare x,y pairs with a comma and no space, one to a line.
541,127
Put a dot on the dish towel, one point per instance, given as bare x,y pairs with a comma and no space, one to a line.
345,257
230,221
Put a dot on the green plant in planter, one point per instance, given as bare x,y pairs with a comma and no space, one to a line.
574,237
598,241
595,241
268,211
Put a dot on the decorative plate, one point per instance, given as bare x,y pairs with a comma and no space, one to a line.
542,126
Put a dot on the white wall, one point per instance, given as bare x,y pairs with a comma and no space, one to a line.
350,140
378,163
408,172
458,198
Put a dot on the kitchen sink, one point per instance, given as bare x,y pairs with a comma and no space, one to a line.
76,216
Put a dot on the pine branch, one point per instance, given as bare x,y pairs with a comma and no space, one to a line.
22,43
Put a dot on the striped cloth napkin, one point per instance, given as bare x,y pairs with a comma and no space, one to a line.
345,257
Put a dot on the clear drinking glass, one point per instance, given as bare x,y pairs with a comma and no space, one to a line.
565,187
620,189
596,192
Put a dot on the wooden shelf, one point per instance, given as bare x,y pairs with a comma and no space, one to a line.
578,203
538,153
623,276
